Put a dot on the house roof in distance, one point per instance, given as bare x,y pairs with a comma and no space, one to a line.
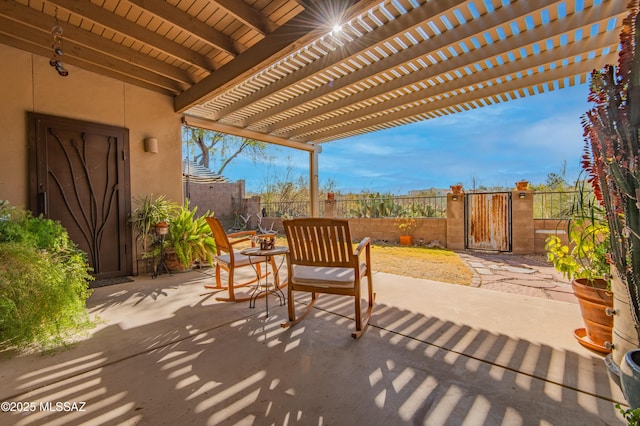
194,172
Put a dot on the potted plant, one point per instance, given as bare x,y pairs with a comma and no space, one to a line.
522,185
406,226
149,213
457,189
612,148
189,240
584,262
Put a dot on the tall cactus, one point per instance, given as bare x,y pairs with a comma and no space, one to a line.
612,149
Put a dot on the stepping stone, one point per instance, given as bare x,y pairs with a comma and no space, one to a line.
513,269
531,283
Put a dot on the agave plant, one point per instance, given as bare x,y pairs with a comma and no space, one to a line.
612,147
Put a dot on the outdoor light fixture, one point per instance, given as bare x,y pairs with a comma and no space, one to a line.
151,145
454,197
522,195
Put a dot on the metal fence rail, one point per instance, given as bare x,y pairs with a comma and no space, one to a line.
553,204
546,205
392,207
287,208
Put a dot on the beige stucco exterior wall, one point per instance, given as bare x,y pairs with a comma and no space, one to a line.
29,84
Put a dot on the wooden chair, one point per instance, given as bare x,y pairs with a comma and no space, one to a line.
321,259
229,259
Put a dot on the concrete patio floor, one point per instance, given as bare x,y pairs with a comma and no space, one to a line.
167,353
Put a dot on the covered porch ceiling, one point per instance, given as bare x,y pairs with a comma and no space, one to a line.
304,72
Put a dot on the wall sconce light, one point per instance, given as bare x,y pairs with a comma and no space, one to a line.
151,145
522,195
454,197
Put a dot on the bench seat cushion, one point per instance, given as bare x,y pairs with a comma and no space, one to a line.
325,276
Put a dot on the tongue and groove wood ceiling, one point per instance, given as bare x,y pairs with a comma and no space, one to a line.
310,71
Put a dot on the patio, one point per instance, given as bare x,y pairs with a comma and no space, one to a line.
167,353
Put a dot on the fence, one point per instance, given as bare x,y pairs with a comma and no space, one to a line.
553,204
392,207
287,208
546,205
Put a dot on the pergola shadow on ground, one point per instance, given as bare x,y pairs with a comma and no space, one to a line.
166,352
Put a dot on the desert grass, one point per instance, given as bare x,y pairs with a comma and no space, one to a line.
420,262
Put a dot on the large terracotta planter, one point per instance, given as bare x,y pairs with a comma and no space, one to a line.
173,263
594,299
406,240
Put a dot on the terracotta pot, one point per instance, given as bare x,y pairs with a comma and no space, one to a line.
522,185
594,299
406,240
456,189
162,228
173,263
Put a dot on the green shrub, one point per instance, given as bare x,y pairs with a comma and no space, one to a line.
190,236
43,281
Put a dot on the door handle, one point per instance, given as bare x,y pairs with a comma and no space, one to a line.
43,203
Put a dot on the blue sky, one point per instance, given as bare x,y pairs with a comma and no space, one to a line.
495,145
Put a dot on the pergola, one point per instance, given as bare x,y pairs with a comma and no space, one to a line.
303,72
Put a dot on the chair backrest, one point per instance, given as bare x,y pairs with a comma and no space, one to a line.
320,242
222,241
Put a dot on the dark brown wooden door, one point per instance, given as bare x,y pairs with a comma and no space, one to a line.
79,175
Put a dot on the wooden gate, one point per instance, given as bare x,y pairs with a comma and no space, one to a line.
79,175
488,221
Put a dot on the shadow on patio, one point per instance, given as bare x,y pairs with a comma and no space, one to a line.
436,354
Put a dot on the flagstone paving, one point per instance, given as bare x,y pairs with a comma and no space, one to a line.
528,275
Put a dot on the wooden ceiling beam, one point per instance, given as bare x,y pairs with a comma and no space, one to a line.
76,51
529,81
245,133
33,20
248,16
41,51
488,52
286,39
191,25
97,14
585,18
441,42
430,10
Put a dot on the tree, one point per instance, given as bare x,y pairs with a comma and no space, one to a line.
207,145
288,188
557,181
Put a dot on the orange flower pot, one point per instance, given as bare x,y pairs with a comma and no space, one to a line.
406,240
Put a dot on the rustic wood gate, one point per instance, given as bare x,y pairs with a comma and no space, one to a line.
488,221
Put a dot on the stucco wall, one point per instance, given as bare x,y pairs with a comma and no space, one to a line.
30,84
